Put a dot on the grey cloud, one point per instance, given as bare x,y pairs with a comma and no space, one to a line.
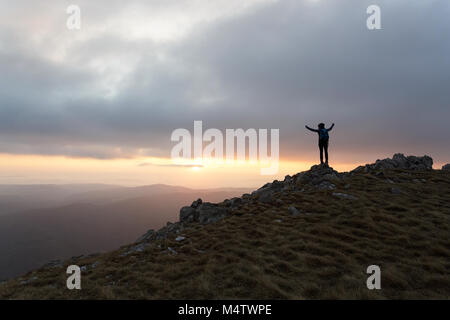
278,66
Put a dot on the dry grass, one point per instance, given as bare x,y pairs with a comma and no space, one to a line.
323,255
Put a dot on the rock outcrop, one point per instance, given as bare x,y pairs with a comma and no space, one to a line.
204,212
446,167
399,161
318,177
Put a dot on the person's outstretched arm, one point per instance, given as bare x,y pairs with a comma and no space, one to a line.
310,129
329,129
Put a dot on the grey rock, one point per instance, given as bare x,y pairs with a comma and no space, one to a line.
27,281
209,213
147,236
396,191
137,248
54,264
172,251
320,176
446,167
265,196
288,179
294,211
180,238
399,161
236,202
196,203
344,196
326,185
188,214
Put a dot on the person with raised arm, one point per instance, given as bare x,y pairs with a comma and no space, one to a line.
323,140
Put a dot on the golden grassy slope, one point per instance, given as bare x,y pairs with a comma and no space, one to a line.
263,252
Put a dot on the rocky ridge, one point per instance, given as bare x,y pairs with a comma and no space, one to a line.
318,177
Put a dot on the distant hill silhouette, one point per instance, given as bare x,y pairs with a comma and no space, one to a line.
97,220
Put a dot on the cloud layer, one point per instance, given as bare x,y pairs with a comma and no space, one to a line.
138,70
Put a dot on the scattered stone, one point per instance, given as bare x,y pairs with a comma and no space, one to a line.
23,282
148,235
326,185
278,220
344,196
396,191
180,238
54,264
294,211
171,251
347,186
138,248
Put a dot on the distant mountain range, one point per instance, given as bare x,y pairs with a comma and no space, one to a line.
39,223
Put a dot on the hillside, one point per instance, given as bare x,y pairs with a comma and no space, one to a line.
97,221
311,236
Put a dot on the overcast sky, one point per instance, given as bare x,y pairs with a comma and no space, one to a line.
137,70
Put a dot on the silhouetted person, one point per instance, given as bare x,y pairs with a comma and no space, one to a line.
323,140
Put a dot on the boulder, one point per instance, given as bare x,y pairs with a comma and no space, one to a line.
294,211
344,196
188,214
317,175
209,213
265,196
196,203
236,202
446,167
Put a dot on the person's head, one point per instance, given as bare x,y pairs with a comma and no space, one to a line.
321,125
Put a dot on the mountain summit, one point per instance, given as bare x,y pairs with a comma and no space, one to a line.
311,236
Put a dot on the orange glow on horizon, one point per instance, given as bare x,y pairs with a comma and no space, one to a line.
39,169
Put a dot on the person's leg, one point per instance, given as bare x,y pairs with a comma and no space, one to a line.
321,151
325,146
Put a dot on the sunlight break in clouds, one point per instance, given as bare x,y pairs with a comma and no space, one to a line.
137,70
